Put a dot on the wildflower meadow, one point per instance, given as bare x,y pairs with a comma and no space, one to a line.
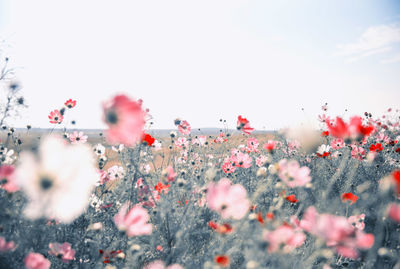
125,198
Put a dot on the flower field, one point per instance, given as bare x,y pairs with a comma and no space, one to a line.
297,198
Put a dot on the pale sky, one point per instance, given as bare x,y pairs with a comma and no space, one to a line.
205,60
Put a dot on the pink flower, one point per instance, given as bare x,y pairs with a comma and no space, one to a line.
7,178
270,145
170,174
242,160
394,212
220,139
70,103
125,119
252,145
323,118
161,265
357,152
78,138
337,143
228,167
36,261
184,127
261,160
228,200
55,117
285,238
357,221
292,174
337,232
200,140
181,142
6,246
62,251
133,222
244,125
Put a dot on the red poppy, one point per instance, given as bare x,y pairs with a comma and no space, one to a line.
148,140
325,154
353,130
349,197
222,260
326,133
70,103
291,198
397,150
377,148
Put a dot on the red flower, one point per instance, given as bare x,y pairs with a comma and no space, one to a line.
161,187
354,130
326,133
55,117
222,260
244,125
396,177
182,204
148,140
222,229
377,148
398,150
349,197
291,198
70,103
260,218
270,215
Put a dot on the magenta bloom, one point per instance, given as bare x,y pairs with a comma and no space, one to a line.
7,178
285,238
6,246
133,222
337,232
36,261
292,174
228,200
125,119
63,251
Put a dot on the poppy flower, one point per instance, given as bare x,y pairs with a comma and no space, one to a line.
70,103
161,187
396,178
148,140
355,130
222,260
325,133
349,197
244,125
55,117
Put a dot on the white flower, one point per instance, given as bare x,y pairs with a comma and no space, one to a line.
6,156
99,149
157,145
116,172
95,202
323,148
119,149
59,181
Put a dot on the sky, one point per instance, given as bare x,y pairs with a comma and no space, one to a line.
204,60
